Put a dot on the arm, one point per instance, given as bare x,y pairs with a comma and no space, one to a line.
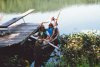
55,32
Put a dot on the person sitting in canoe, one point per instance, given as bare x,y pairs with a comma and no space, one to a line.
51,26
41,33
53,30
55,24
50,29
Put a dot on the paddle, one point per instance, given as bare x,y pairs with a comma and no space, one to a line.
58,15
46,41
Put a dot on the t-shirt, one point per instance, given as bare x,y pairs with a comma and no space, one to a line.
50,31
42,34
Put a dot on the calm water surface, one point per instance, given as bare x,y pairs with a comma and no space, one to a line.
72,19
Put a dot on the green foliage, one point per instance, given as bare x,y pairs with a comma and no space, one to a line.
81,50
15,61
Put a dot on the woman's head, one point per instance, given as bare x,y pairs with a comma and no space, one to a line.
51,25
42,28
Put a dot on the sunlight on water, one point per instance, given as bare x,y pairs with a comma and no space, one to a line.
77,18
72,19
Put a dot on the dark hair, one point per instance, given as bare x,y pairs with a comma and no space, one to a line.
42,28
53,18
51,25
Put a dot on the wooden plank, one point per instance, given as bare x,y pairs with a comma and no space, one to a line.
19,33
4,27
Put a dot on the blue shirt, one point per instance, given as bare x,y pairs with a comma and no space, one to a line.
50,31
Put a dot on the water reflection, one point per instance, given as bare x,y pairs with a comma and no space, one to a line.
23,5
72,19
39,5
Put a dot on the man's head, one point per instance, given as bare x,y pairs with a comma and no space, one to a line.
52,19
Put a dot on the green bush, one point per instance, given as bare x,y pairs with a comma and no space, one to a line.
80,49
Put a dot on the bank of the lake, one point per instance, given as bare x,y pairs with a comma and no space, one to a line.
41,6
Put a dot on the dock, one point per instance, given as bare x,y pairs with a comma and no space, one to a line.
12,32
18,34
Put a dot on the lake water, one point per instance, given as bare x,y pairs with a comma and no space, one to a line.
72,19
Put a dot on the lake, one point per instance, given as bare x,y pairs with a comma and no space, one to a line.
72,19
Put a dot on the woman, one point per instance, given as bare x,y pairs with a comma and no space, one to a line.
50,29
53,30
42,32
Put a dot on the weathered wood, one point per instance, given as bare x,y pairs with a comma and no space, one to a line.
18,34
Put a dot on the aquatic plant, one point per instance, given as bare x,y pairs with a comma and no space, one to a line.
80,49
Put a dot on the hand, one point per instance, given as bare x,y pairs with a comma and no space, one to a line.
50,39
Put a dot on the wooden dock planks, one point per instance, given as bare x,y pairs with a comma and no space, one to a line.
18,34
